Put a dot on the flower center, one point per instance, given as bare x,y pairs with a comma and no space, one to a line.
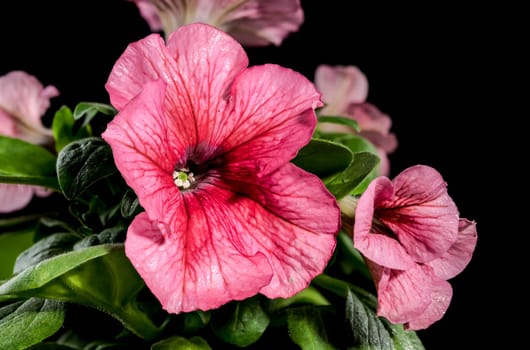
183,177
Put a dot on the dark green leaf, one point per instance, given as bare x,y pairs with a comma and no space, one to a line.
323,157
82,163
45,248
25,163
348,181
181,343
100,277
307,328
366,330
130,206
240,323
340,120
65,130
26,323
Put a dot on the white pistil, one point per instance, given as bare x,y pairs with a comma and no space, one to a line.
183,178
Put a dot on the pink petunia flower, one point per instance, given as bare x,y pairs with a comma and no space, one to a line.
23,103
344,91
206,142
251,22
410,233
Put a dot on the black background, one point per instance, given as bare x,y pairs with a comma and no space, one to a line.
426,68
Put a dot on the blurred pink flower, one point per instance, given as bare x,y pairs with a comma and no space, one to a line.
410,233
344,92
23,102
251,22
206,142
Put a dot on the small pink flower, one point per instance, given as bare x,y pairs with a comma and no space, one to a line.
206,142
23,103
251,22
344,92
410,233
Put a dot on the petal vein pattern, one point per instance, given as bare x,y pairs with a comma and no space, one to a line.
247,221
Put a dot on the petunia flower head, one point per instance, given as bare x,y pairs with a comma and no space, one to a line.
205,142
413,240
251,22
23,103
344,91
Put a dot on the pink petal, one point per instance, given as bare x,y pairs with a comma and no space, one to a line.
231,247
340,87
149,13
146,153
197,269
251,22
416,297
376,245
272,121
14,197
8,126
26,100
143,61
262,22
459,255
420,213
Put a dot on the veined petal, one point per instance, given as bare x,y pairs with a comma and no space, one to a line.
143,61
420,213
295,252
273,119
459,255
368,238
441,295
416,294
198,269
146,152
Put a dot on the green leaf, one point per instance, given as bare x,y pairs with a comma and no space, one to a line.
25,163
88,110
307,328
82,163
340,120
240,323
181,343
323,157
65,130
404,340
26,323
100,277
45,248
348,181
366,330
11,245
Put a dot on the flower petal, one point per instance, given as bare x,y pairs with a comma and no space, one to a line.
251,22
143,61
146,154
420,213
340,87
25,99
459,255
374,244
416,297
200,269
273,120
14,197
